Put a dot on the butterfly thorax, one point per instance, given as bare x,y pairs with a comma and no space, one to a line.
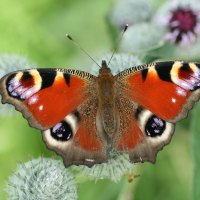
106,94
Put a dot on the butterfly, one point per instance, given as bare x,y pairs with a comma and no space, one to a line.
82,116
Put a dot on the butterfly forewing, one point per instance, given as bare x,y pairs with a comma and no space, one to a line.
44,96
168,89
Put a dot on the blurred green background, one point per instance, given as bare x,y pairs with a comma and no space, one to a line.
36,29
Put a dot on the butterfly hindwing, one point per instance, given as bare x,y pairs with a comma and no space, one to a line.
77,138
156,134
141,133
56,101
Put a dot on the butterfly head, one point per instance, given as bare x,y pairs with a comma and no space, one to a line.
104,70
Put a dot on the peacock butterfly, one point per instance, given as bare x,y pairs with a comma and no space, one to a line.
82,116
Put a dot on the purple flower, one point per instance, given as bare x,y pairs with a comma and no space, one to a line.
181,20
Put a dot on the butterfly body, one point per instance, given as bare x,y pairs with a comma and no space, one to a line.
106,100
82,116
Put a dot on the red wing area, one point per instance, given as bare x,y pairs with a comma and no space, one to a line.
131,136
165,88
45,96
160,97
51,104
87,140
88,135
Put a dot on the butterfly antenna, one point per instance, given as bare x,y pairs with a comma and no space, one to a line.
79,46
118,42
